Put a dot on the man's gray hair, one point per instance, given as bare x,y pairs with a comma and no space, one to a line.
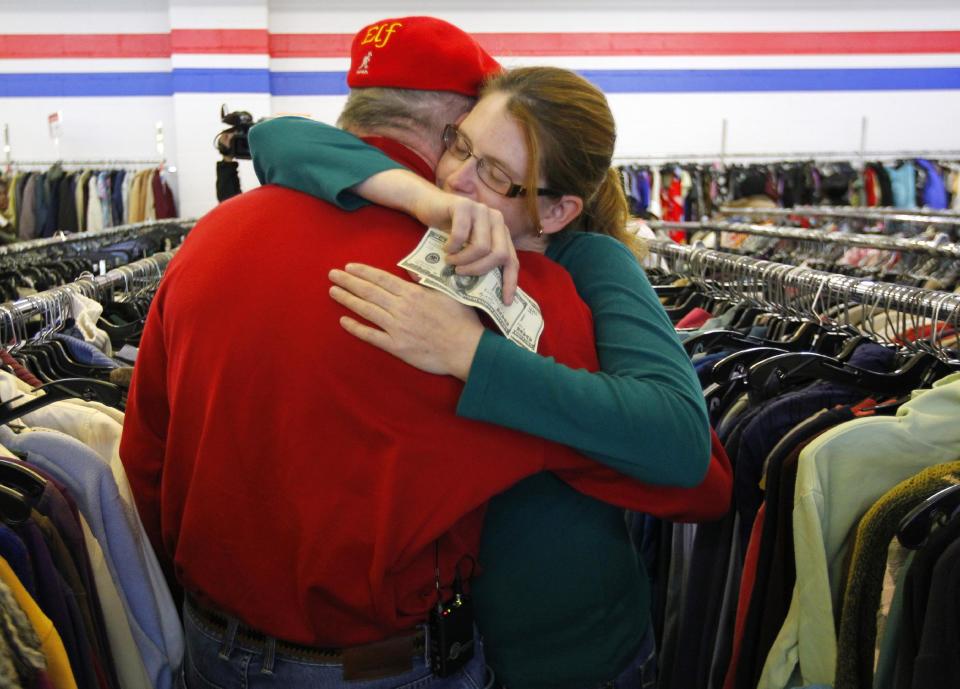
423,113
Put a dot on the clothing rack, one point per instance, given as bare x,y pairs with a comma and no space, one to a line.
795,157
819,211
97,238
52,304
939,218
119,162
805,291
912,246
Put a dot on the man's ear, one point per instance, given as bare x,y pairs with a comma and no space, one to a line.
559,213
461,118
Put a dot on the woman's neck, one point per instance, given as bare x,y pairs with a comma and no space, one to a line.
532,242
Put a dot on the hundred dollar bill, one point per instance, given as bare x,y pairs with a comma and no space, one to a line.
521,322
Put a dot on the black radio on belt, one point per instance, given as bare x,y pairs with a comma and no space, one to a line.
451,628
451,635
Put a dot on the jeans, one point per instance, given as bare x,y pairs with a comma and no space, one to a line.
245,668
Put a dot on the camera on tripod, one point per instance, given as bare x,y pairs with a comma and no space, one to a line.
233,142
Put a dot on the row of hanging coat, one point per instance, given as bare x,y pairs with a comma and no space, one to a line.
937,226
690,191
932,264
78,578
40,203
836,399
30,267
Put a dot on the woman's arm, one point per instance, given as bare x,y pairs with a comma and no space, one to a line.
339,168
315,158
643,414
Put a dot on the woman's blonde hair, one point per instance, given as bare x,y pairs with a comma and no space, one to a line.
570,135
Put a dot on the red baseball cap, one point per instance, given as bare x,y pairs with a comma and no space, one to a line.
421,53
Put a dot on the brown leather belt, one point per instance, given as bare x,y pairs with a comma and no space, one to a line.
387,658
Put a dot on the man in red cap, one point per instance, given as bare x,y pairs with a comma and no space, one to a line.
315,497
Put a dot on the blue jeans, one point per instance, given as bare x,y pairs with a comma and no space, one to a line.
244,668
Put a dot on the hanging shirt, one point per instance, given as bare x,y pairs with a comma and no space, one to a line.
58,667
934,191
903,183
134,568
924,432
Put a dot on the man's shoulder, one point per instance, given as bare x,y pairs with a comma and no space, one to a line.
272,195
272,201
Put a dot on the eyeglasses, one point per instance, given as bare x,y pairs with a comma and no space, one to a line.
491,174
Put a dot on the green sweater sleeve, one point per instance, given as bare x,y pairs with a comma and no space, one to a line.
315,158
643,414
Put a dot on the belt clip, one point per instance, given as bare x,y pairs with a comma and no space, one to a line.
269,654
226,646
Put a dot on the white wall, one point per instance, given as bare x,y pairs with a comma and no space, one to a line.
650,122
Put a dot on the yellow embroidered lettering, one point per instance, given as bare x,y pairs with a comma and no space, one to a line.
379,34
390,31
371,35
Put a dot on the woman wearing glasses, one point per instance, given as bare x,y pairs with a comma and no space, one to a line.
563,601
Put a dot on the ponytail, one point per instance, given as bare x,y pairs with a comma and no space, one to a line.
570,135
607,213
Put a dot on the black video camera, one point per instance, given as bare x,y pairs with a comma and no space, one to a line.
233,142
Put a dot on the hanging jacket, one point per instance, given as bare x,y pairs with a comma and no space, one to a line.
934,193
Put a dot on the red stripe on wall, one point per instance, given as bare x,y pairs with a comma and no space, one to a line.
839,43
220,41
259,41
310,44
20,46
544,44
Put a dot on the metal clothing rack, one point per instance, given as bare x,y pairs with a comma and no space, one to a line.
795,157
937,218
119,162
52,305
95,239
804,291
882,242
925,212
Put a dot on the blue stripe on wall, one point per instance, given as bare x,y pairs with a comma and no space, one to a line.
611,81
308,84
766,80
221,80
98,84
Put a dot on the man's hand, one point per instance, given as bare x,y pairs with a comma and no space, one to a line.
423,327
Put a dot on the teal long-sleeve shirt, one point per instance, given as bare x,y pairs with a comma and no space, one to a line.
551,614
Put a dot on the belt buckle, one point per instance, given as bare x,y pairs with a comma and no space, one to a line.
380,659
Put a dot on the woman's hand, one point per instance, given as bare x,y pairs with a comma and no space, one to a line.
420,326
479,239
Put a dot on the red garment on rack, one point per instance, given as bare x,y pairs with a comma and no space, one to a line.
694,319
19,370
747,580
871,187
163,202
671,201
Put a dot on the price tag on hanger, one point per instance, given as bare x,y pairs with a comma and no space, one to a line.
103,267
